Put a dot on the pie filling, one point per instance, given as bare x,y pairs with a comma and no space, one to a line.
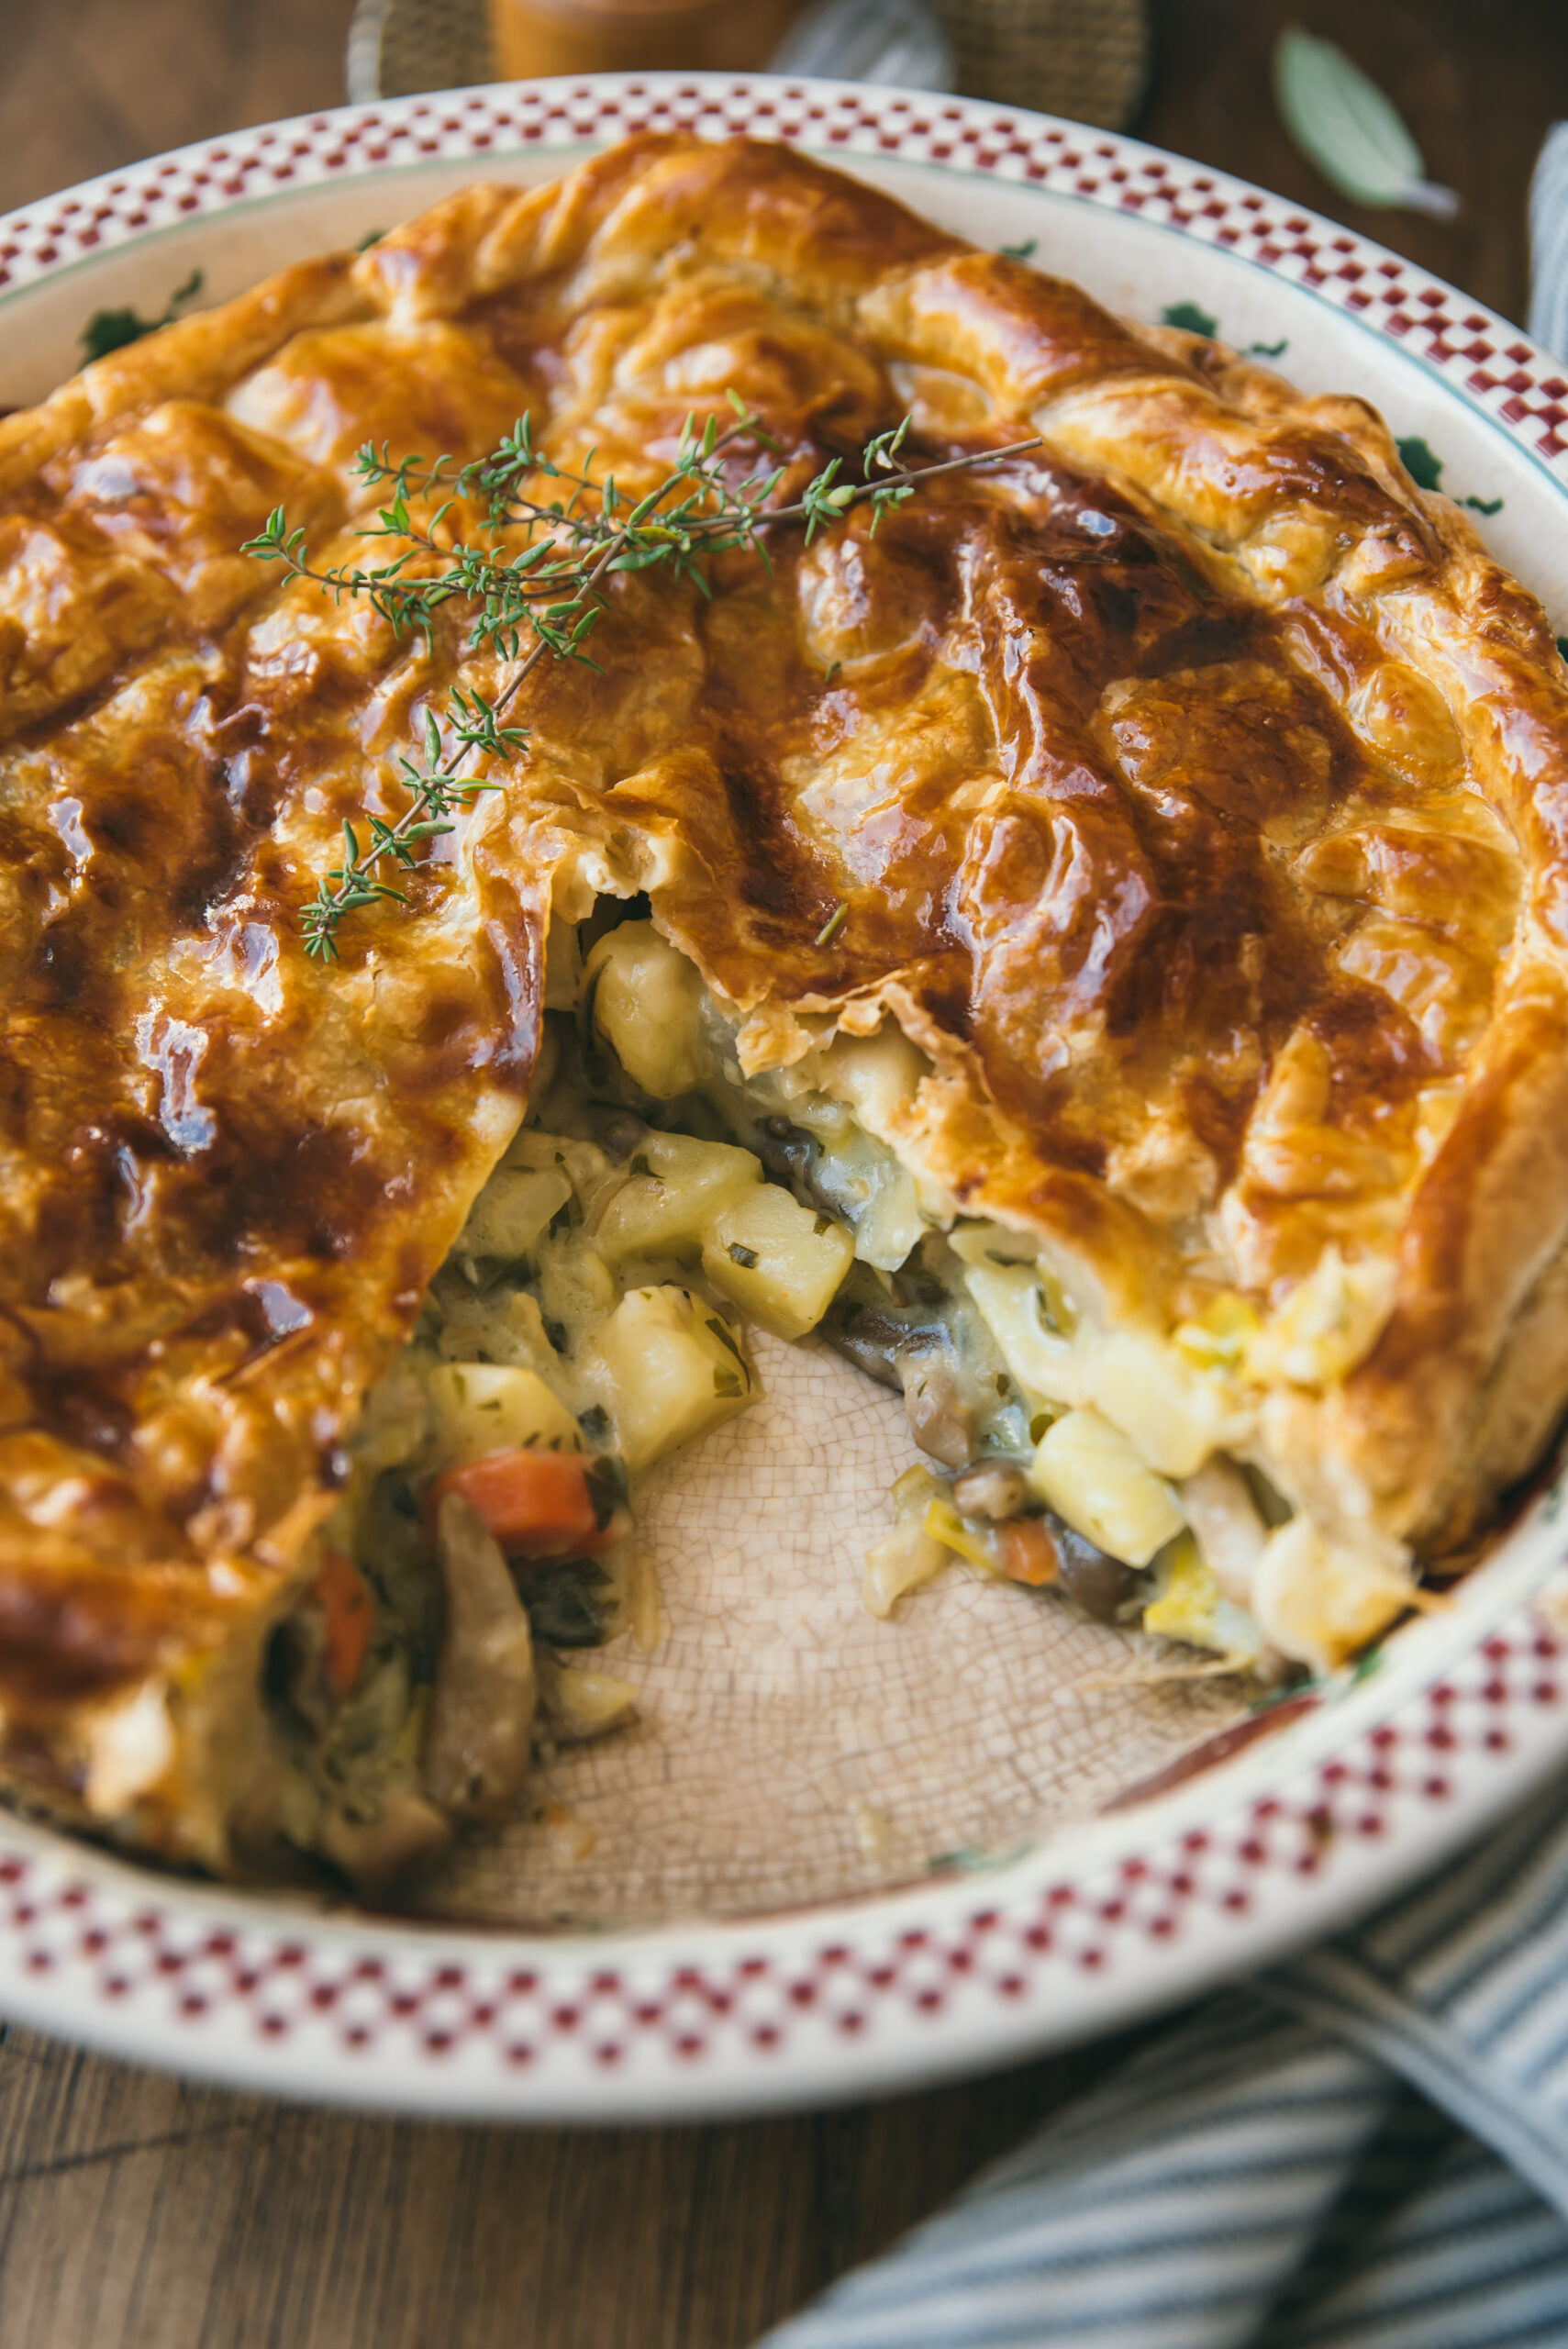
593,1319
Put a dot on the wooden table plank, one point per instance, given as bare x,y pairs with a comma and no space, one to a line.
87,85
139,2214
1479,82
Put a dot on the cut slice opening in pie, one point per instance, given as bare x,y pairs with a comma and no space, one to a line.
1088,942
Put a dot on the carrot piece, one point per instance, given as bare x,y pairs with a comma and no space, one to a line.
1027,1552
343,1596
537,1503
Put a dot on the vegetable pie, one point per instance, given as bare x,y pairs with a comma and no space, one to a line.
1085,934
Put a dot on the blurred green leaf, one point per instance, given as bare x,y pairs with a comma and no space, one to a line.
1343,122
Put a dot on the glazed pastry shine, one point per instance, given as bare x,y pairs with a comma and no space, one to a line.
1197,788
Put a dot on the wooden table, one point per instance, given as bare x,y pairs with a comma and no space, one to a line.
136,2213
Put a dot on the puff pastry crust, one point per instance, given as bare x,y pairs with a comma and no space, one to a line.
1196,785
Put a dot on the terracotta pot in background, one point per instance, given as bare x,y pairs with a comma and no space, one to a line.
537,36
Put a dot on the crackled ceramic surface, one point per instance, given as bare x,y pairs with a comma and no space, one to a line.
791,1748
836,1853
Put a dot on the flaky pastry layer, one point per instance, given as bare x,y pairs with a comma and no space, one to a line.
1196,787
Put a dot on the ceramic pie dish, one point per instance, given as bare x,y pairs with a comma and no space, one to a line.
840,1854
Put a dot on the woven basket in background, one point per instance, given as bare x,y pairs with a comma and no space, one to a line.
1086,59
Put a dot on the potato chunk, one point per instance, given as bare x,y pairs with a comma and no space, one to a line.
481,1407
891,1222
877,1075
668,1368
1088,1473
579,1703
779,1262
648,1002
1317,1597
674,1192
1178,1415
513,1210
1019,1314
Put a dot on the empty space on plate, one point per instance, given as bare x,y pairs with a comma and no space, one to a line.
793,1749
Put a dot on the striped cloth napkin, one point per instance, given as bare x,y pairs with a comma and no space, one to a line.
1549,244
1367,2149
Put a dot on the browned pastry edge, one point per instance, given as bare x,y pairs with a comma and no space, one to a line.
1292,507
1220,449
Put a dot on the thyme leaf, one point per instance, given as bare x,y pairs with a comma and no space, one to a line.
533,574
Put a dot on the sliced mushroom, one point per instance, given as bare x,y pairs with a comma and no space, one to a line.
934,1406
386,1848
1102,1586
1230,1532
787,1151
481,1716
911,1355
993,1488
863,1328
296,1675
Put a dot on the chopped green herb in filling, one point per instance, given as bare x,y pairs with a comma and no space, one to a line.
655,1202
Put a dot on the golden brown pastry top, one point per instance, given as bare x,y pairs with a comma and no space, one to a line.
1196,786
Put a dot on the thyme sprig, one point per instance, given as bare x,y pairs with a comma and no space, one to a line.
534,576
